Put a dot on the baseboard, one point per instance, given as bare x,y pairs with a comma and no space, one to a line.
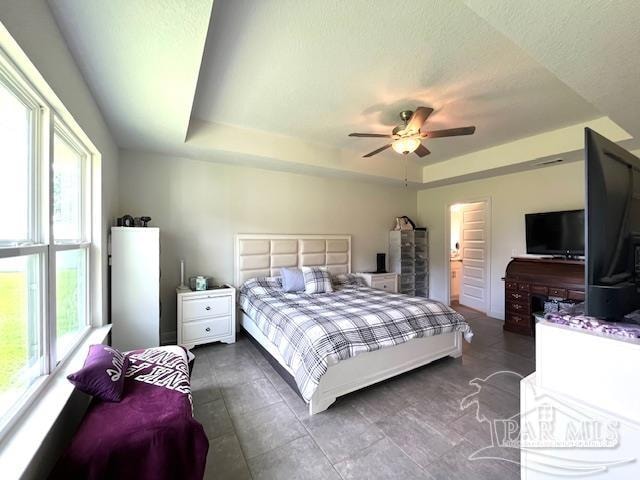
169,338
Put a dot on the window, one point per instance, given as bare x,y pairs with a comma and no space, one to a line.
70,238
45,241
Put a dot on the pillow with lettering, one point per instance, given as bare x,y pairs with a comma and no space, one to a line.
103,373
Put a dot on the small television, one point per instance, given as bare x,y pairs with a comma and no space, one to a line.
555,233
612,228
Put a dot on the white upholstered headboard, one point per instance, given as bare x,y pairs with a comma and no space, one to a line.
262,255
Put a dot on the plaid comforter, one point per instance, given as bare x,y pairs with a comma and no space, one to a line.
312,332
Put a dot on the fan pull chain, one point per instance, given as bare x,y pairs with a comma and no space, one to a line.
406,182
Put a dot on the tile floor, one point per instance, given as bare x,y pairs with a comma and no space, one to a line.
411,426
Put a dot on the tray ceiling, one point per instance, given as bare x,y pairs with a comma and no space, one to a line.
280,84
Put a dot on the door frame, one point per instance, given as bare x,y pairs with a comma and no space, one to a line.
447,248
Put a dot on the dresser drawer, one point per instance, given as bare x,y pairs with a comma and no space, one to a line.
510,285
517,296
205,307
210,327
539,289
519,308
518,319
558,292
575,295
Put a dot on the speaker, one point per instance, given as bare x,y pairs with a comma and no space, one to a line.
381,259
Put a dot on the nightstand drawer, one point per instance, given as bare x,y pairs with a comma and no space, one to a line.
388,284
205,307
210,327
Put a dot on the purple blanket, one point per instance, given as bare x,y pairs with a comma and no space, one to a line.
150,433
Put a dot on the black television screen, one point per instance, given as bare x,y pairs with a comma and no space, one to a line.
613,228
555,233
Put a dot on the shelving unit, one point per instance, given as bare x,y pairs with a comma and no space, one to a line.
409,257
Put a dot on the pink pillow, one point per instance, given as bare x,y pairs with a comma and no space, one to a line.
103,373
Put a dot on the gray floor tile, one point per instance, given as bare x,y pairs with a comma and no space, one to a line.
516,344
457,464
214,418
274,377
205,389
300,459
374,402
247,397
410,431
295,403
243,370
223,355
225,460
341,432
389,430
382,460
267,428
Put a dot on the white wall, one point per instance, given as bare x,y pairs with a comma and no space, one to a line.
553,188
200,205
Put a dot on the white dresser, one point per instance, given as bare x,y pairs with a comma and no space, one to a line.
381,281
206,316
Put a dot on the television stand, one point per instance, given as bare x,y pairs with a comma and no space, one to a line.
529,282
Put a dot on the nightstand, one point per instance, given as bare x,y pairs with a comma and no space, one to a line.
381,281
206,316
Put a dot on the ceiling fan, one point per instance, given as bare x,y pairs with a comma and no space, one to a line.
407,138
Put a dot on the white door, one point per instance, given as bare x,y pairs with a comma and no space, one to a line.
475,261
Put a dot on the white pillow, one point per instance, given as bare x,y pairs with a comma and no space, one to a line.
316,280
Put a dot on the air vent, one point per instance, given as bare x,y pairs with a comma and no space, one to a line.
550,162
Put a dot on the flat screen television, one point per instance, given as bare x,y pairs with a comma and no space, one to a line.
612,273
555,233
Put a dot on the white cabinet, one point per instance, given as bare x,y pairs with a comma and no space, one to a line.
135,287
381,281
206,316
585,392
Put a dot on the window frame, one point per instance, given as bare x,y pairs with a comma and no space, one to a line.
45,122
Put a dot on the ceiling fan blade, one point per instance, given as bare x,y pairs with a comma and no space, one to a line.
422,151
418,118
376,135
371,154
449,132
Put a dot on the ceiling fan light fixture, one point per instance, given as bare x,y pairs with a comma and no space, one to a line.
406,145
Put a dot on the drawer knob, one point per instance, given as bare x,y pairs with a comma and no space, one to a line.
208,329
384,286
207,308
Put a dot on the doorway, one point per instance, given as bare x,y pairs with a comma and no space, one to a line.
468,253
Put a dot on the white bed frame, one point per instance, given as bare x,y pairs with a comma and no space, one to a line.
263,255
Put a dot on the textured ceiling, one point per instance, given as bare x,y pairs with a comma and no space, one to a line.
280,83
141,59
591,45
319,70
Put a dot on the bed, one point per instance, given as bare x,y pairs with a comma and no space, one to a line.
149,433
333,344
